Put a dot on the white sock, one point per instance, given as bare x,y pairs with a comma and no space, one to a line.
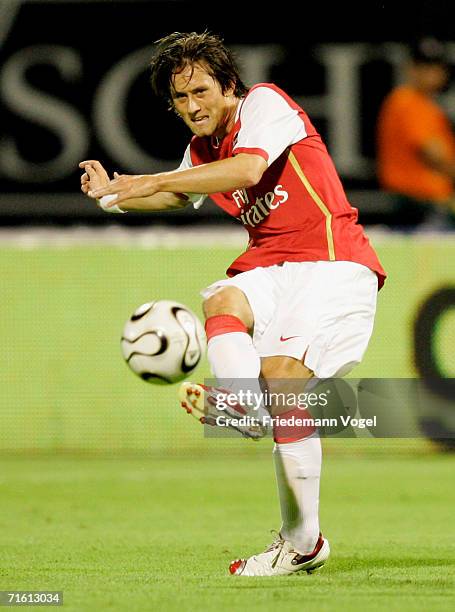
233,355
236,364
298,471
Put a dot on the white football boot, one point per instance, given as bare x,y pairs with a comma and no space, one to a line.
281,559
201,402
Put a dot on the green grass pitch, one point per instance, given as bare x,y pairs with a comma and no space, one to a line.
158,534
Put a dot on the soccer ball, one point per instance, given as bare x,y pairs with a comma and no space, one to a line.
163,341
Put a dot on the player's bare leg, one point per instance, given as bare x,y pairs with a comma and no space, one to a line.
229,301
278,369
297,457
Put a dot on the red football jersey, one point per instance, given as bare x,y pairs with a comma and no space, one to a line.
298,211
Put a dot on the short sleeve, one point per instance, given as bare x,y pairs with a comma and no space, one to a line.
268,125
197,199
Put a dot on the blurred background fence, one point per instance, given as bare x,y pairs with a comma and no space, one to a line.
74,88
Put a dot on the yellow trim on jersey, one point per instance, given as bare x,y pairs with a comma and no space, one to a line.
317,200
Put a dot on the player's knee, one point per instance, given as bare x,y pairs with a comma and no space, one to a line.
285,379
229,300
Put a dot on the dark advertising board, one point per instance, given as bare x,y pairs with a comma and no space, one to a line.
74,85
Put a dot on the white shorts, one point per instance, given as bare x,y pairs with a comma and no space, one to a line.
321,311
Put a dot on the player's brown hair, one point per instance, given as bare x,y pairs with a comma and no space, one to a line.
178,50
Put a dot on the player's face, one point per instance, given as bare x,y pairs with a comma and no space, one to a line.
199,100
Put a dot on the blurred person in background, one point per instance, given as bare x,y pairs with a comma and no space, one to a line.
416,143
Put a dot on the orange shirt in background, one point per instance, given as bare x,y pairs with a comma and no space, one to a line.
408,119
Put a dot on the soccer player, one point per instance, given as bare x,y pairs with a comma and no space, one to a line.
300,301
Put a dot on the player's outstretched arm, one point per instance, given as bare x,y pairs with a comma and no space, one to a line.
95,177
243,170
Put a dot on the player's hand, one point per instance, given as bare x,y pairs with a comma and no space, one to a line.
94,177
126,187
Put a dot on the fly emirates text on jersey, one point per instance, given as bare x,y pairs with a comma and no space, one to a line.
262,207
